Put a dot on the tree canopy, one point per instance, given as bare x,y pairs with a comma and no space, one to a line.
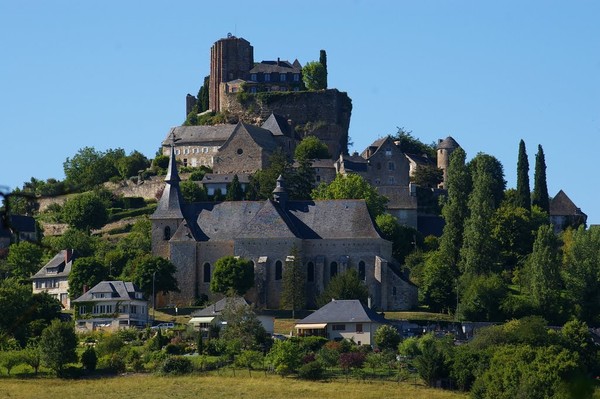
314,76
311,148
523,191
540,187
85,211
352,186
346,285
232,276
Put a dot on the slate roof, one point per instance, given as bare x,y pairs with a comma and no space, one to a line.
420,159
327,219
216,308
170,203
276,66
215,178
262,137
343,311
354,163
63,269
214,135
123,290
448,143
19,224
561,205
398,197
277,125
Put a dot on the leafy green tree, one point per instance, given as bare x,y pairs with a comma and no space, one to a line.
523,191
512,229
466,364
41,310
542,273
404,238
242,325
232,275
581,274
479,253
481,297
152,273
14,302
85,212
132,164
285,356
32,355
10,359
86,272
323,61
89,167
427,176
455,211
301,182
431,362
293,295
352,186
346,285
58,345
437,287
234,190
387,338
412,145
24,259
82,243
491,167
575,336
311,148
540,187
262,182
528,372
314,76
192,192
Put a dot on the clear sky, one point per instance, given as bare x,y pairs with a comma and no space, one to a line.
111,74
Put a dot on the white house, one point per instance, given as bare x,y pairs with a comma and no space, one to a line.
343,319
111,305
53,278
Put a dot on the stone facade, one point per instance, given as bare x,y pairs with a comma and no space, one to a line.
331,236
53,278
445,148
247,150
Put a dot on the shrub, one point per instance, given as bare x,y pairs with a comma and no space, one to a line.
350,360
109,344
311,371
176,365
312,344
133,202
175,349
216,347
89,359
112,364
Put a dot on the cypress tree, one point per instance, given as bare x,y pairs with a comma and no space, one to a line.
523,191
540,187
234,190
323,61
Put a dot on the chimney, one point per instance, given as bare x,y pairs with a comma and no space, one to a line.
277,61
68,255
369,302
85,288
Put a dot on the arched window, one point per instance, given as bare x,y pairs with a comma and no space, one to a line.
206,272
333,269
361,271
278,270
310,272
167,233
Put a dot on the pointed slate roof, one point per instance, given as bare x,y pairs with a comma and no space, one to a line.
343,311
262,137
59,266
561,205
170,203
214,135
277,125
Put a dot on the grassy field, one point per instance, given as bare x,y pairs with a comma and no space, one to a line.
202,386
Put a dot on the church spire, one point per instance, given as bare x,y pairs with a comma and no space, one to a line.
170,203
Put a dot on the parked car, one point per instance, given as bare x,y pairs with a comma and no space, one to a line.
163,326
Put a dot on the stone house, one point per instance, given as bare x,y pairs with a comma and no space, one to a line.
342,319
214,182
197,145
19,228
564,213
53,278
111,305
332,236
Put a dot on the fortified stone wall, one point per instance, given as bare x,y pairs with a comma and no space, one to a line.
325,114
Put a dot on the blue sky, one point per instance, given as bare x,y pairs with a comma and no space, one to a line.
115,74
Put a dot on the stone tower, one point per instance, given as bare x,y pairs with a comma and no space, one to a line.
230,58
444,150
168,214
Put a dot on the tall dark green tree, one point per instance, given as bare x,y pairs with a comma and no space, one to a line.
540,187
523,191
234,190
232,276
85,212
202,103
455,210
479,252
86,272
323,61
293,295
346,285
543,273
494,170
153,273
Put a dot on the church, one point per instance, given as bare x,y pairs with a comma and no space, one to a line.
331,237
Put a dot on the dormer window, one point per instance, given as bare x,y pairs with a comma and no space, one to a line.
253,77
296,77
